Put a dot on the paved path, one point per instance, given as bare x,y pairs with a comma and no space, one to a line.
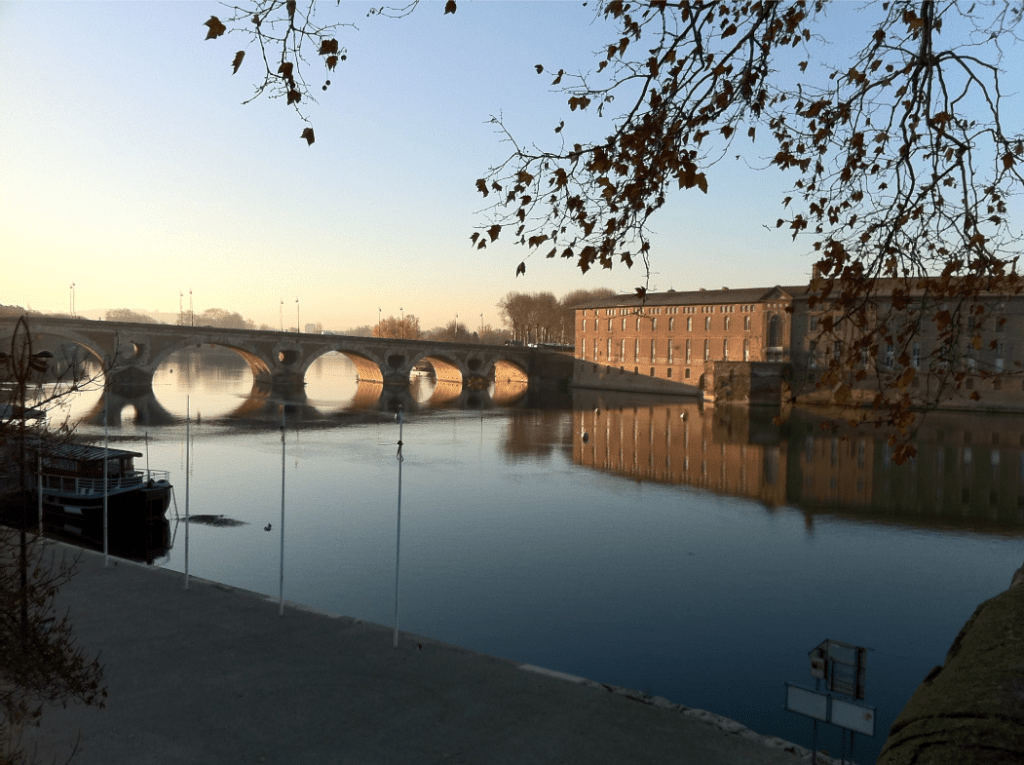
215,675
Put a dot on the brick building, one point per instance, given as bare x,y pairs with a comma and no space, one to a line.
687,342
674,335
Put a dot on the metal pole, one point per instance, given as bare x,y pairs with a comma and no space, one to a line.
106,479
280,593
398,534
147,456
39,474
188,435
298,321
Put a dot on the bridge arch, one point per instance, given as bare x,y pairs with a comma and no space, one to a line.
259,366
367,369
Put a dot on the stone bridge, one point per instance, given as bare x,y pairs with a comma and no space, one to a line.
130,353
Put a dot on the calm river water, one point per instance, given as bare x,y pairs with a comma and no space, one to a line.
693,554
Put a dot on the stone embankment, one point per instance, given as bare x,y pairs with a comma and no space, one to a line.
970,711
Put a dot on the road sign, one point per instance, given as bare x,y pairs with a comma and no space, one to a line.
828,708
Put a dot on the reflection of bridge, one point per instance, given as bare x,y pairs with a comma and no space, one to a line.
131,353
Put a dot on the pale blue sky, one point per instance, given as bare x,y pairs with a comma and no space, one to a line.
130,167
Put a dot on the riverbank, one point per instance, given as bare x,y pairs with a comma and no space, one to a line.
214,674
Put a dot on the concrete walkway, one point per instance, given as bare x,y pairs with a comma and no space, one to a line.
215,675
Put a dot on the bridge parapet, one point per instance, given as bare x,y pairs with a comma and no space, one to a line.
130,353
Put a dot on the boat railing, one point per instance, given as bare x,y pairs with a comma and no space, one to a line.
66,484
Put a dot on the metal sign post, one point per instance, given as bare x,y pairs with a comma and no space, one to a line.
841,667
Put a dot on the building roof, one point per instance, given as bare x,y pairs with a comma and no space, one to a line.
86,452
697,297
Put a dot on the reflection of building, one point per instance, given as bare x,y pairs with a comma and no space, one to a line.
968,472
673,335
677,443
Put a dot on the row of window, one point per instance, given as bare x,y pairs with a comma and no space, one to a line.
915,355
726,324
611,346
658,310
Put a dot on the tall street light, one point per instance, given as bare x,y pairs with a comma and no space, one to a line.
72,299
191,310
298,322
401,329
378,321
281,312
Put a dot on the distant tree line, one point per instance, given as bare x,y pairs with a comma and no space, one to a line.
540,317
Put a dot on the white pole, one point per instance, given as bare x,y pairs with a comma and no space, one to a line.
147,454
398,535
39,473
188,434
106,480
280,593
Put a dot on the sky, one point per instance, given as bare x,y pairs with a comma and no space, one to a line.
130,167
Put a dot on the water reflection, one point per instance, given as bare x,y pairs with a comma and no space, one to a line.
968,472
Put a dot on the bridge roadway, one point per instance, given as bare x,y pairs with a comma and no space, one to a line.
130,353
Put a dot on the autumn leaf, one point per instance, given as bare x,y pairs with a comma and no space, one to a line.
237,62
294,96
493,231
308,135
481,186
216,29
332,61
539,68
328,46
521,269
449,7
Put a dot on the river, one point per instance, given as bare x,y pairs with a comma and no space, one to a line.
695,554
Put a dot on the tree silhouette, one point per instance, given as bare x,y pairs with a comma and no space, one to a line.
897,154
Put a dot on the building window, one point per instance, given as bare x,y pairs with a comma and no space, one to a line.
707,324
686,374
637,323
707,350
688,351
671,324
689,324
725,349
670,350
654,325
583,349
916,361
654,351
837,349
669,371
622,350
746,323
608,349
636,350
610,325
775,332
814,324
889,355
725,322
623,325
596,328
999,357
746,350
652,371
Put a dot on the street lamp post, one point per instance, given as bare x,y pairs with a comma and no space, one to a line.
401,329
456,337
72,299
298,322
378,321
191,310
281,312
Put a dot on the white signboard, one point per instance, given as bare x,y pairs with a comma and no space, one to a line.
853,717
805,702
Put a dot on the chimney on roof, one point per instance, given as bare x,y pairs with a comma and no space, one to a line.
703,290
725,288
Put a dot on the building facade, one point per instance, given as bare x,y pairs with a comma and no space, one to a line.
677,335
967,354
